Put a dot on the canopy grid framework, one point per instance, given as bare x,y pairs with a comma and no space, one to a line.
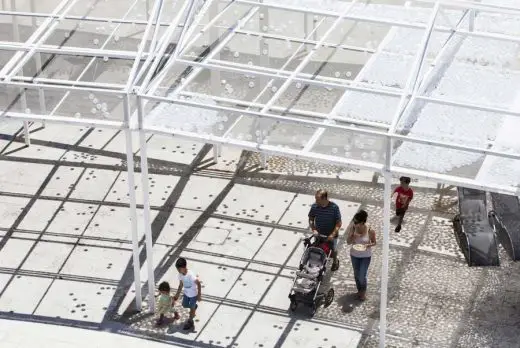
421,88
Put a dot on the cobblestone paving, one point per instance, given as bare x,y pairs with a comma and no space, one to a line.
435,300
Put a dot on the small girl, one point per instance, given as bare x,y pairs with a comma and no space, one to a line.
165,304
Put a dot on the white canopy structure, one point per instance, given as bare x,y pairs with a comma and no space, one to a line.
427,89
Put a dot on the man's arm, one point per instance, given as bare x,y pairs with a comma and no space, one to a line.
337,216
312,223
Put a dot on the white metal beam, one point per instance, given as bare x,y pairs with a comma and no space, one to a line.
307,59
276,74
375,133
334,160
168,35
87,67
413,78
156,14
322,81
62,120
16,58
44,36
473,5
332,115
222,43
306,41
73,51
311,114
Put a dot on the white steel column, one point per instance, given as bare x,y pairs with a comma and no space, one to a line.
471,24
23,97
386,256
263,61
133,206
146,207
38,63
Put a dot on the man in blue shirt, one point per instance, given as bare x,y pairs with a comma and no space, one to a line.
325,219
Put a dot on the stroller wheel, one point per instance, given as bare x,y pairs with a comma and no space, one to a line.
314,308
293,306
329,298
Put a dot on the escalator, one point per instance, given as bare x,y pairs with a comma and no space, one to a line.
505,217
473,229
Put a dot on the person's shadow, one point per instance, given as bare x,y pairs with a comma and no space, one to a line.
349,302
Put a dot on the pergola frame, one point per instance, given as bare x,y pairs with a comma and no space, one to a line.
143,82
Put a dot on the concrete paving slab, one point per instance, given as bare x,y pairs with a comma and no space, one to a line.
279,246
35,151
178,223
95,262
72,218
47,257
40,215
10,209
255,203
237,240
322,336
172,149
14,251
118,143
276,297
101,179
98,138
114,223
161,186
23,294
200,192
85,301
21,177
69,135
62,182
91,158
250,287
13,334
224,326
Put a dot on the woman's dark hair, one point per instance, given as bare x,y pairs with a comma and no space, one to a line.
164,286
181,263
361,216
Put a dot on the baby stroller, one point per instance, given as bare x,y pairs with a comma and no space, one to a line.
312,275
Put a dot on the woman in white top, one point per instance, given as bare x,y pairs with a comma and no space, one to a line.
362,238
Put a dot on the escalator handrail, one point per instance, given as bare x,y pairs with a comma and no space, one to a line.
499,220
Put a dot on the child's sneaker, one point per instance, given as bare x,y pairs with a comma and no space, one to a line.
189,325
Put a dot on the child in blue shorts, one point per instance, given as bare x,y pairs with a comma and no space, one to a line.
190,283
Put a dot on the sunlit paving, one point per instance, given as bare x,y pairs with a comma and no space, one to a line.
248,173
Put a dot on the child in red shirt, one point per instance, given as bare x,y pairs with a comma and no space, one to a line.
403,199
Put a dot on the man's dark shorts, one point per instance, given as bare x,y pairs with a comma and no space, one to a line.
189,302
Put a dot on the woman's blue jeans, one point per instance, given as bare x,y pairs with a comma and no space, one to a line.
360,265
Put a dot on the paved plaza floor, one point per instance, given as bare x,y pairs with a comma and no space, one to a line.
65,250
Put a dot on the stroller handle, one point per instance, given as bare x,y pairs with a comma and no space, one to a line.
317,239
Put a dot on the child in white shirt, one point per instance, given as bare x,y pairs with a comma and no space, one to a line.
188,282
